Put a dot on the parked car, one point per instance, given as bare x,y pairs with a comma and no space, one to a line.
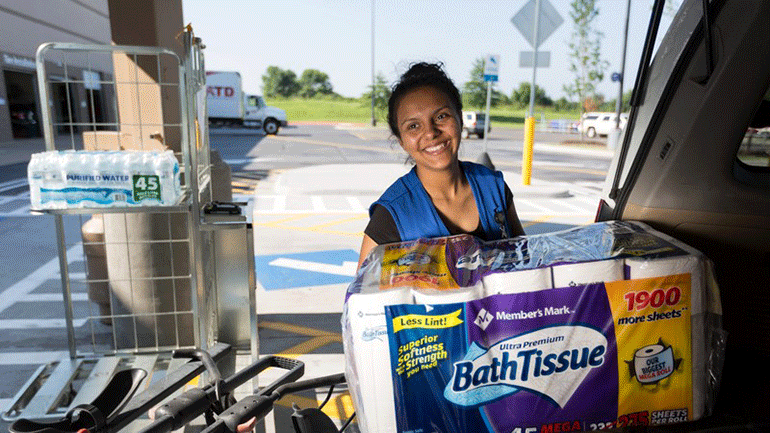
473,123
598,123
684,168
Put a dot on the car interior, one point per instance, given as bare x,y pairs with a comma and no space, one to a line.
695,163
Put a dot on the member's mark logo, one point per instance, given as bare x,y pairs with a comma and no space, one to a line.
483,319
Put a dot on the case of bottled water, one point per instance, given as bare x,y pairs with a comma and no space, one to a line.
84,179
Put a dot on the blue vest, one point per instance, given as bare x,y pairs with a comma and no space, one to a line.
416,217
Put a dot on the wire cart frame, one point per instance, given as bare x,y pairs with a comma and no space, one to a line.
97,133
137,282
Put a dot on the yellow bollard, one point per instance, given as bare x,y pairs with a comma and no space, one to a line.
526,155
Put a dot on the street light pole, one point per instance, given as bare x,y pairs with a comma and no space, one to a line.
534,60
374,120
619,102
529,122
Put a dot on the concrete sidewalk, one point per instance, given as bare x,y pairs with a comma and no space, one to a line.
19,150
341,178
373,179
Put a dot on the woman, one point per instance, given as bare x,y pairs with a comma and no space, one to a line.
441,195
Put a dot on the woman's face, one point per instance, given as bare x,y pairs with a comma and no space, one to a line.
429,127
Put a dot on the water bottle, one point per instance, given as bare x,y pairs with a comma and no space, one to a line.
84,179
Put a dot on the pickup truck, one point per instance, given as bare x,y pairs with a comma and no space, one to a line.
687,168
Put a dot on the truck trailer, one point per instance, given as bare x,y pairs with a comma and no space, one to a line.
229,105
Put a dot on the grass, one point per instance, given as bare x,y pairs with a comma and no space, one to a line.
356,111
322,109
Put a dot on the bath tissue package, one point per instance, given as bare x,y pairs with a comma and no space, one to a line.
608,325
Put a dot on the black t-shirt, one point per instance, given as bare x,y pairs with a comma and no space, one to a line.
383,230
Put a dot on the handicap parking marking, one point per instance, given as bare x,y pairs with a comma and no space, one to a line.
287,271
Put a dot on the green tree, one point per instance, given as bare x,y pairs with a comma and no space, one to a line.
585,53
279,82
499,98
521,96
475,90
625,104
562,104
381,96
314,82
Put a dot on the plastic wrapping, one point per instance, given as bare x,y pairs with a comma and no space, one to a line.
95,179
607,325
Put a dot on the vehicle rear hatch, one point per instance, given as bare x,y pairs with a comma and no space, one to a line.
684,168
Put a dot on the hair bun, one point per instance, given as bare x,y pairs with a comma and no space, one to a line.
423,70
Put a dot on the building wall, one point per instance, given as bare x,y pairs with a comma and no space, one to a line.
25,25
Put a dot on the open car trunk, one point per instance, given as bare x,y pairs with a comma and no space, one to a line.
695,163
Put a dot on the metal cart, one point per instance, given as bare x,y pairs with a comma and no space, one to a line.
138,282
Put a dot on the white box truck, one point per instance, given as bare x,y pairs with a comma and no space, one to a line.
229,105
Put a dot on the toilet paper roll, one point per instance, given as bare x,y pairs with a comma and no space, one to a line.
438,297
695,266
576,274
637,268
653,363
371,354
529,280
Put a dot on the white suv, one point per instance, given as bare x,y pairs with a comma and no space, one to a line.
597,123
473,123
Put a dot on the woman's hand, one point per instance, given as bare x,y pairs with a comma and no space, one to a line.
247,426
367,245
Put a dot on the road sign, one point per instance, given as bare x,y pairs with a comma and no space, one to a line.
319,268
543,59
615,76
491,65
524,21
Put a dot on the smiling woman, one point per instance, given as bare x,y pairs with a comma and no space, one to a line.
441,195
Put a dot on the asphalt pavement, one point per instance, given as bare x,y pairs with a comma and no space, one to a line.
19,150
308,212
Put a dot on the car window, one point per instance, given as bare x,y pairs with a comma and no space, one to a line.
685,21
754,150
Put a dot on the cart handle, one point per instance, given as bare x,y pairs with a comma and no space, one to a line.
259,405
194,402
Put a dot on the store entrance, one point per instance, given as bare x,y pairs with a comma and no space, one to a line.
20,88
95,111
64,107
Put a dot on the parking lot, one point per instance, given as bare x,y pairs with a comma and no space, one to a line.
307,191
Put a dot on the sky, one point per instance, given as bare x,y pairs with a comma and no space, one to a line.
335,37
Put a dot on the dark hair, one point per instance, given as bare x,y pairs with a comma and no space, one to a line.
419,75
